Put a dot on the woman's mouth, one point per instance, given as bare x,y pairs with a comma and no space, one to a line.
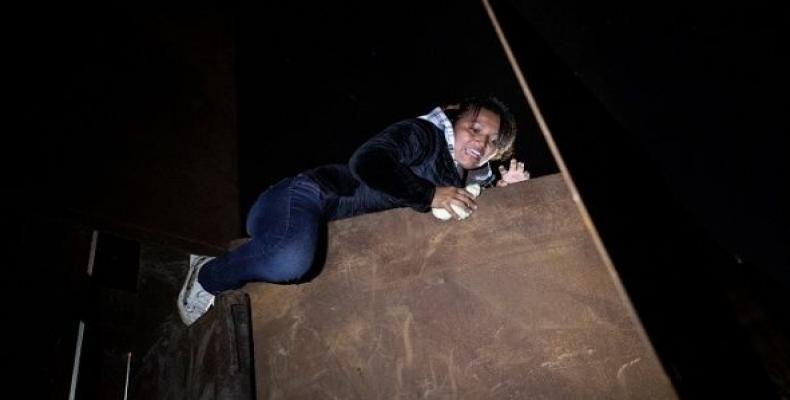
475,154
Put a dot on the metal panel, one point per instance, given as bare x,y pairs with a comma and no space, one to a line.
514,302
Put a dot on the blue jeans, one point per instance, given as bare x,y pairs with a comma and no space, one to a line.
285,225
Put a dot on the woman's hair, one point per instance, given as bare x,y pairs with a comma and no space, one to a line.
507,123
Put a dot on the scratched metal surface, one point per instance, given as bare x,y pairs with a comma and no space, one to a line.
511,303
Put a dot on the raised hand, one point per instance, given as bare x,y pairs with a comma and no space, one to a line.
513,174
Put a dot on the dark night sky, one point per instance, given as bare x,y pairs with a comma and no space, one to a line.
703,89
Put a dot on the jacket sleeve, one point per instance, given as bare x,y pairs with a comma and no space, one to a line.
383,163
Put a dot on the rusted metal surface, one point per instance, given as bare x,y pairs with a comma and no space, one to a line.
513,302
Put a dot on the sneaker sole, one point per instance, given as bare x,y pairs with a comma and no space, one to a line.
193,268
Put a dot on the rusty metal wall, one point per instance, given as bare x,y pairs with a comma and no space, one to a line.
514,302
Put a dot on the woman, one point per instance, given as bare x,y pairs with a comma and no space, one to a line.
422,163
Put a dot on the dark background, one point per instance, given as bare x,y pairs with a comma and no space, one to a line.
164,122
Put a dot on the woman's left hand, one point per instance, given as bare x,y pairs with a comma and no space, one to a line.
514,174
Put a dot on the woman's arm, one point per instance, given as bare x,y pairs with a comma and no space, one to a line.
383,164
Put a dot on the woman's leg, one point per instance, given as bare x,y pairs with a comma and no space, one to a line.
284,225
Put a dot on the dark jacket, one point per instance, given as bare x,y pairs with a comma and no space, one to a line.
399,167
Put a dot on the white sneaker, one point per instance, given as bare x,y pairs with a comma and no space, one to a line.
193,300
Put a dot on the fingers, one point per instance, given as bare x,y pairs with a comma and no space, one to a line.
519,167
515,172
465,198
515,166
462,204
457,201
457,212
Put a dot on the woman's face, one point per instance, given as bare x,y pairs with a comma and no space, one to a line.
476,138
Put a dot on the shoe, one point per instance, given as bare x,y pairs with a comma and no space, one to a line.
193,300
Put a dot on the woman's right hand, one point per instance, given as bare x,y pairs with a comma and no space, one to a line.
445,196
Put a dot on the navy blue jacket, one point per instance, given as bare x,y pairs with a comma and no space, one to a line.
399,167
